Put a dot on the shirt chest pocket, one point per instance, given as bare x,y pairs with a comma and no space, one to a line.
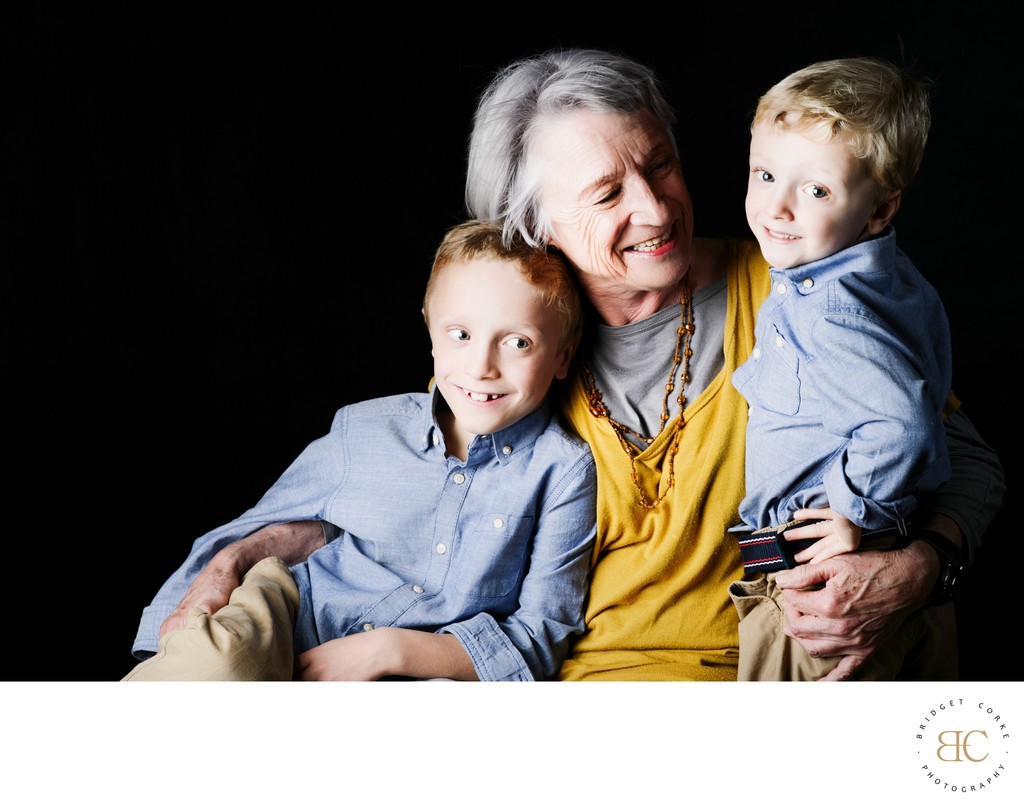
490,560
778,376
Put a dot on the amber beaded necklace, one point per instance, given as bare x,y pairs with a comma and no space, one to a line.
598,409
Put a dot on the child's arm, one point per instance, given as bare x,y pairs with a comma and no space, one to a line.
386,652
897,443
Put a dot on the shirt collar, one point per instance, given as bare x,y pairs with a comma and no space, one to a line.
502,445
866,256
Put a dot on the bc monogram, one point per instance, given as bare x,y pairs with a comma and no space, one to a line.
961,742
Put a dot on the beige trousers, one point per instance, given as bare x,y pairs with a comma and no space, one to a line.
249,639
923,649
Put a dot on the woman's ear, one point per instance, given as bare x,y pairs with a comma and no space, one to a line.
883,214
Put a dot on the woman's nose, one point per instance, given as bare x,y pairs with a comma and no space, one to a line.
647,205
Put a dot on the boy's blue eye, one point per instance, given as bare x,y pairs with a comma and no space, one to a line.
817,192
458,334
518,342
766,176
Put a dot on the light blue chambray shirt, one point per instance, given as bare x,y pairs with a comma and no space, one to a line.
495,550
846,382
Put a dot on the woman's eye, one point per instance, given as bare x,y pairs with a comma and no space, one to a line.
611,196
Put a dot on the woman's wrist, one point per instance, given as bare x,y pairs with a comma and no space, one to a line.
292,542
233,560
945,557
945,541
923,571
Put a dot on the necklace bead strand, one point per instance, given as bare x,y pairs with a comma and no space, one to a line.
600,411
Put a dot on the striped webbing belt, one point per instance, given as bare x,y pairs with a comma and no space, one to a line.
767,550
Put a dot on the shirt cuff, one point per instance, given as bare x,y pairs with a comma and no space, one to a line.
494,656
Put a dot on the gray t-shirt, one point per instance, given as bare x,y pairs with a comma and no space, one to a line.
630,363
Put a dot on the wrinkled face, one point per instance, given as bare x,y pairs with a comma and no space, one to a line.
806,200
613,192
495,344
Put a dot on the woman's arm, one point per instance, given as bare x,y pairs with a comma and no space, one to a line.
285,523
867,595
975,491
292,542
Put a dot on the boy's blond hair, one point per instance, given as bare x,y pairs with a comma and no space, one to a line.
876,108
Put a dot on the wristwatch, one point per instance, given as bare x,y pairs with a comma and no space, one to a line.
952,564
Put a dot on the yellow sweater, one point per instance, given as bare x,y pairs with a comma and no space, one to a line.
659,606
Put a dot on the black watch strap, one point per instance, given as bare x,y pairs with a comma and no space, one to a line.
952,564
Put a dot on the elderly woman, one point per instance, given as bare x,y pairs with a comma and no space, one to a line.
575,150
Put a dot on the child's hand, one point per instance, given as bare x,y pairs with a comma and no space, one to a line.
837,535
384,652
358,657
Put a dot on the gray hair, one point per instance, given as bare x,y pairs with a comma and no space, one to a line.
498,180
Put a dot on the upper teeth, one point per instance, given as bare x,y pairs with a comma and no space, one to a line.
482,396
654,243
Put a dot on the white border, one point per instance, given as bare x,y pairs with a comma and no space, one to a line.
485,744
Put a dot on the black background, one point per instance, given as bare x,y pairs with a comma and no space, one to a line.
218,224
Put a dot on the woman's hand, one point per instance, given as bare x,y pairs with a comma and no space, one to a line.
210,590
848,605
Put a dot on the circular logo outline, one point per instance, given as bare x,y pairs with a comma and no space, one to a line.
962,745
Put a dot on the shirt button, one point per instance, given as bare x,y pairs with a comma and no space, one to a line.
780,288
418,589
367,626
808,283
779,341
756,353
459,478
440,549
437,440
506,450
499,523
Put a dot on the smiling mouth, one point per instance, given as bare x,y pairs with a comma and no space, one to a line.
652,244
782,236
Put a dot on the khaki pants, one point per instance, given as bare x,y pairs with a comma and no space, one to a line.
924,648
249,639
